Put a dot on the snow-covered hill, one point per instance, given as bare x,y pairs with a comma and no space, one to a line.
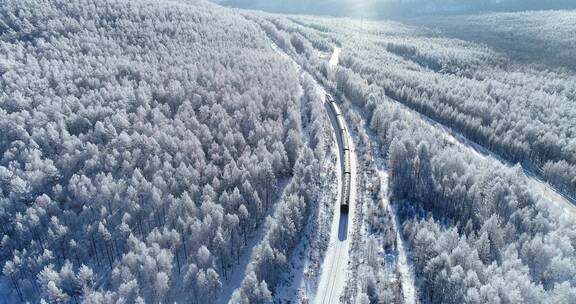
141,145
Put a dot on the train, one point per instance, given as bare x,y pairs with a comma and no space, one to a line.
346,174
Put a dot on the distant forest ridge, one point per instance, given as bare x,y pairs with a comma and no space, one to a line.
396,8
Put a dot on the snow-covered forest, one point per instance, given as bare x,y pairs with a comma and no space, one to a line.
452,118
521,112
136,160
180,151
542,37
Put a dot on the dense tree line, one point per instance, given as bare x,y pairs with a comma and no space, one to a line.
142,143
523,113
304,46
285,228
477,233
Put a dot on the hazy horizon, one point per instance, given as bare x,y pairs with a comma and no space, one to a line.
396,8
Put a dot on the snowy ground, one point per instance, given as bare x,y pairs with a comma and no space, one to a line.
4,291
335,58
405,267
548,192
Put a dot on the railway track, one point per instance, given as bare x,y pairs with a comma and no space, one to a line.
335,266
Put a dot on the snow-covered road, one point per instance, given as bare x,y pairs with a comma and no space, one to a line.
404,264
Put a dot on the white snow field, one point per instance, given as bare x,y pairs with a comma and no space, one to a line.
335,57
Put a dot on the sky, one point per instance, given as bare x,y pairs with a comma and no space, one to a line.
397,8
